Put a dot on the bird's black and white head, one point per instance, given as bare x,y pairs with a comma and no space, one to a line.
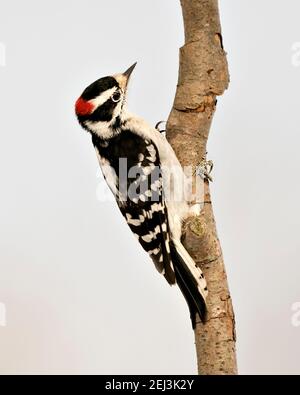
100,107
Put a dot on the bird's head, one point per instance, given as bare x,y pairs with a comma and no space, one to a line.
99,108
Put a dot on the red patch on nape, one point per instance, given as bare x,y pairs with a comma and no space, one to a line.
83,107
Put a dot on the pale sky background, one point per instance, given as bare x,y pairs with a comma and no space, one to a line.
80,294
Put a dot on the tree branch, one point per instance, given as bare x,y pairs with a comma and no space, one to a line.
203,75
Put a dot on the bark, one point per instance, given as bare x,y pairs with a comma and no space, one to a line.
203,75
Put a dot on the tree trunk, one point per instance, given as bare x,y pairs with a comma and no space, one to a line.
203,75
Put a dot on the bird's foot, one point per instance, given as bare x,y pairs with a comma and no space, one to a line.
204,169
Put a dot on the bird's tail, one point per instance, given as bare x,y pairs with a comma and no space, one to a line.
190,280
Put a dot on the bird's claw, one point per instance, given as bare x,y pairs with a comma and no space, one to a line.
158,125
204,169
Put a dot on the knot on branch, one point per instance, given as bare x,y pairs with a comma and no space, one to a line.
201,239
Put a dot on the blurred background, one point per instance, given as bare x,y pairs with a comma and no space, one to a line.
77,293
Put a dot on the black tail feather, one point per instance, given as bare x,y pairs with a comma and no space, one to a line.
188,287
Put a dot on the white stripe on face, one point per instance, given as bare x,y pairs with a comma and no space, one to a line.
99,100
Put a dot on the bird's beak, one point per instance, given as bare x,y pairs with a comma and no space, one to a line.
123,79
128,72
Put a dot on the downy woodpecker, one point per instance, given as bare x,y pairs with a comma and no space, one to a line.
135,159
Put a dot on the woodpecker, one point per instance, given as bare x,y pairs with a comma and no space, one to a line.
152,207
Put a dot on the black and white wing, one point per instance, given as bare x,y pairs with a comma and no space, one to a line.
145,210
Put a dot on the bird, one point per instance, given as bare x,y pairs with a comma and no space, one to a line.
137,163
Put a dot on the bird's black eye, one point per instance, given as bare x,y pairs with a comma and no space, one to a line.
116,97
